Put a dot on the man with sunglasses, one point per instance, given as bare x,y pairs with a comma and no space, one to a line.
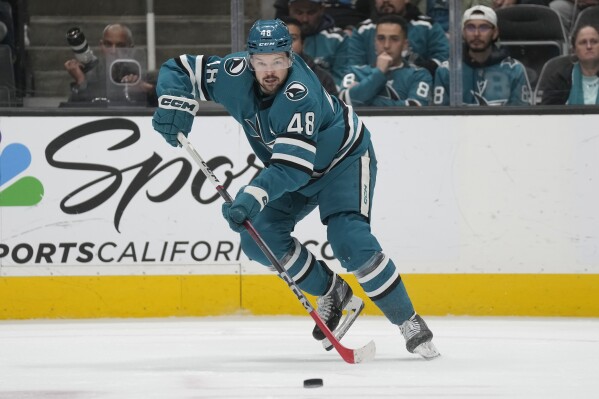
490,76
317,153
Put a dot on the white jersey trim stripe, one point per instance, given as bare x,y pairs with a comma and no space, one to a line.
296,253
293,159
199,76
296,143
378,270
190,72
304,268
332,35
365,185
384,287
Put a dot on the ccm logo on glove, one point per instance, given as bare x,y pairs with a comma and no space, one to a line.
179,103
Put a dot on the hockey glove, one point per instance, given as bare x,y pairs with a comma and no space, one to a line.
249,201
174,115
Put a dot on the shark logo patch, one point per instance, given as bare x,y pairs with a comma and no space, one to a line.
235,66
295,91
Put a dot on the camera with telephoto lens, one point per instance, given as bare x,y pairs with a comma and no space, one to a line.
83,53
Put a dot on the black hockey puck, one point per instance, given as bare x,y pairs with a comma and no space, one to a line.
313,383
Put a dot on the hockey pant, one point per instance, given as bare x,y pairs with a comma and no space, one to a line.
349,234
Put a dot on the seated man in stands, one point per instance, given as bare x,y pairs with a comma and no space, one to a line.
323,41
490,76
392,82
345,13
326,79
428,44
91,85
578,83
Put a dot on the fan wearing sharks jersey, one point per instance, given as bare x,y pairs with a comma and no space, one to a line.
316,152
489,75
392,82
428,44
323,41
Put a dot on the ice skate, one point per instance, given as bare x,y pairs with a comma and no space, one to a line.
331,305
418,337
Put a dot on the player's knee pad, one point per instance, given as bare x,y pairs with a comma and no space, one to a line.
351,240
279,244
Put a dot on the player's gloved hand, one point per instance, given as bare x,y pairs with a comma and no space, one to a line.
175,114
249,201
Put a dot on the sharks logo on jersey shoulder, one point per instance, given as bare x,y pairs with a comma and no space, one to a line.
295,91
235,66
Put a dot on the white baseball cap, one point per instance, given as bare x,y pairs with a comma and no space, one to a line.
481,13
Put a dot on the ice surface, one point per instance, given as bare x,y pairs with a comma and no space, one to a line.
270,357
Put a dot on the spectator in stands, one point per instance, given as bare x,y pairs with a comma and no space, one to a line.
323,41
578,83
346,13
428,44
438,10
297,46
392,82
496,4
91,86
569,9
490,76
7,27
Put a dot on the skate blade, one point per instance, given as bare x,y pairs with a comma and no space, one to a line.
427,350
353,309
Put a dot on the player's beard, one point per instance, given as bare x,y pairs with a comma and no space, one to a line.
270,84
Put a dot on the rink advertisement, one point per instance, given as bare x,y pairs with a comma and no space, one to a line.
102,196
104,203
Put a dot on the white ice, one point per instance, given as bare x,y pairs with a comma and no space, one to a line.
270,357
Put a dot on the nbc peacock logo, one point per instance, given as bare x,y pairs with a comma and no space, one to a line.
16,189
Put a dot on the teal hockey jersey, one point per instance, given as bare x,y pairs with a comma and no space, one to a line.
400,86
303,135
429,46
500,81
329,50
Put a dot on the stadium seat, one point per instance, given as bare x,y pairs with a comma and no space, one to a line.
587,15
550,67
533,35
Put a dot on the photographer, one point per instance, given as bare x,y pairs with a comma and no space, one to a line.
91,78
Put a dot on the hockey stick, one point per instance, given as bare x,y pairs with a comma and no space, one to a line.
349,355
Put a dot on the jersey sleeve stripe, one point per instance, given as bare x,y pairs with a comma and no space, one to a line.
293,162
344,95
199,74
187,68
297,142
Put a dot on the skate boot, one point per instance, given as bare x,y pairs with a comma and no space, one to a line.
418,337
331,305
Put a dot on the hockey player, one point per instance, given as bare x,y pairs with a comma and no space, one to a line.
392,82
316,152
428,44
489,75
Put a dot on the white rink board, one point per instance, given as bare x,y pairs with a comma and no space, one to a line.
455,194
